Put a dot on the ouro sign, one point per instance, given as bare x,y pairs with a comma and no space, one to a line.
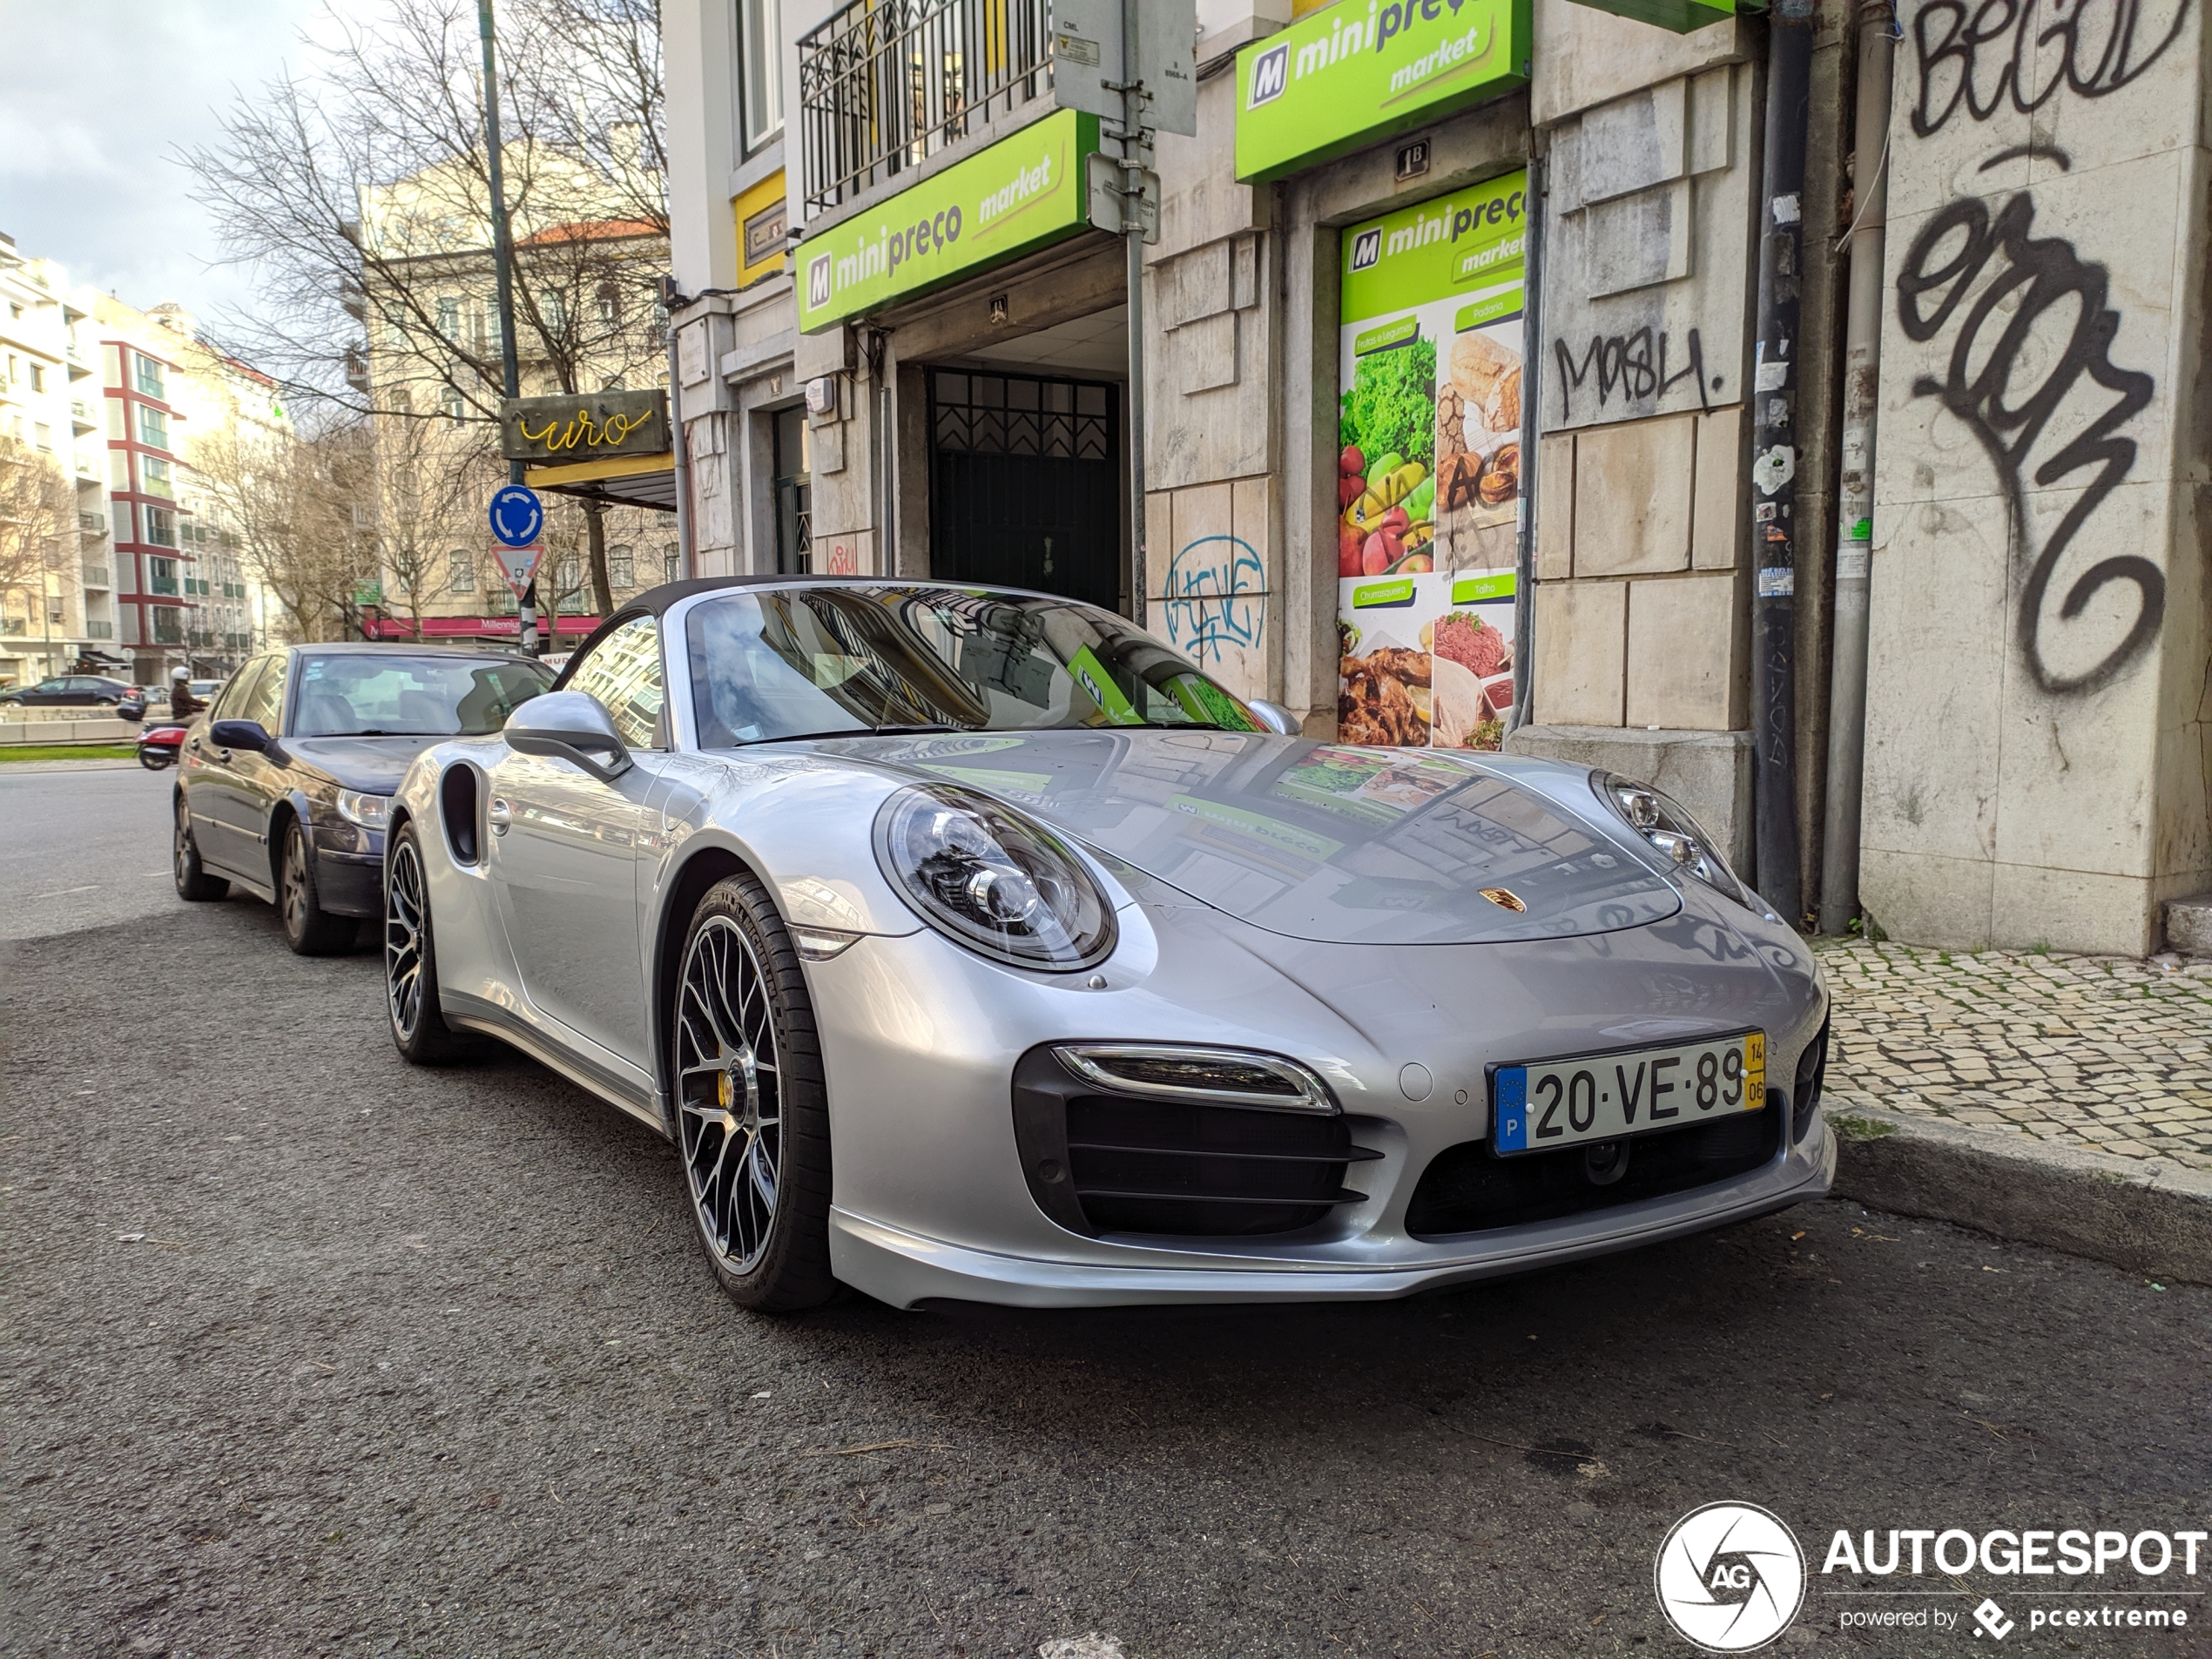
577,427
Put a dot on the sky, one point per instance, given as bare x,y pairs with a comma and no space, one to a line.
96,97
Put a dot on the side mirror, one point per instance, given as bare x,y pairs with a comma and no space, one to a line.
572,726
241,734
1273,716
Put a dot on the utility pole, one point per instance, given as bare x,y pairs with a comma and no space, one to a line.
503,245
1136,141
1775,382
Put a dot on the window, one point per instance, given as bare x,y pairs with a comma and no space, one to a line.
161,575
112,360
370,693
37,377
461,572
567,576
449,316
668,559
556,313
153,475
623,672
149,376
161,528
153,428
43,433
456,406
760,94
168,626
266,704
621,569
610,305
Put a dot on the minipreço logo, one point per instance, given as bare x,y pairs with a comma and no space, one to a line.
1729,1577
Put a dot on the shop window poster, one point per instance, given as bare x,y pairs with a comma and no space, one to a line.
1429,485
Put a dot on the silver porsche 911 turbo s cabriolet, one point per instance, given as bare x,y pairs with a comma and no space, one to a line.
976,945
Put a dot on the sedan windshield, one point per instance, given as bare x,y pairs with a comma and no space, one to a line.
356,694
826,662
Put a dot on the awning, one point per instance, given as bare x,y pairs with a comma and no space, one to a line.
629,480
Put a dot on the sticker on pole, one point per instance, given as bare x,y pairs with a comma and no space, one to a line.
517,516
519,565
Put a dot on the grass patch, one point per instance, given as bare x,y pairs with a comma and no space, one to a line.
1853,1128
67,751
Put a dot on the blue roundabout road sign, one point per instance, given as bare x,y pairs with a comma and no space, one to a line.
517,516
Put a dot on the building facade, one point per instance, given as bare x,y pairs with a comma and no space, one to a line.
1460,430
63,613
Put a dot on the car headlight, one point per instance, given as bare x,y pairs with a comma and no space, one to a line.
1674,833
992,880
370,812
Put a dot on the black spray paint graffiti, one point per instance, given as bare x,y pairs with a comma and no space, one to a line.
2040,282
1625,364
1986,53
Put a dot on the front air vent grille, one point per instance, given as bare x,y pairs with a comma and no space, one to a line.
1467,1190
1812,1076
1157,1158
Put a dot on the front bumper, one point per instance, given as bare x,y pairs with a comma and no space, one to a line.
931,1201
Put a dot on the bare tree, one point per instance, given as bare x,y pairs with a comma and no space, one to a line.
303,509
361,196
38,511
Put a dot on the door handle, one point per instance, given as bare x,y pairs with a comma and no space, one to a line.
499,815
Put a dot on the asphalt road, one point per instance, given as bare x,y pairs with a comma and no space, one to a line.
307,1351
75,852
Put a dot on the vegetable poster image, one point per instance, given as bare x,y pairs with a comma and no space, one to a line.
1429,483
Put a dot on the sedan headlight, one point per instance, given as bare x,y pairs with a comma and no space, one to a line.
1667,827
370,812
992,880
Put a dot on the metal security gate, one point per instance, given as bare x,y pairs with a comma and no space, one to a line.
1025,483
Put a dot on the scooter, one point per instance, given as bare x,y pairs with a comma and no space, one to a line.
158,746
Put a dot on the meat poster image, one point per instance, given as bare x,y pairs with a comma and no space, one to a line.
1429,468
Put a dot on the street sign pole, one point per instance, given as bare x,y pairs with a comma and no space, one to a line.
1133,147
503,244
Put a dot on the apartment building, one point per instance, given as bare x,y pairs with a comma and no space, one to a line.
62,613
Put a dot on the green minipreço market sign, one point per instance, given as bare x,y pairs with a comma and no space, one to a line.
1350,74
1027,189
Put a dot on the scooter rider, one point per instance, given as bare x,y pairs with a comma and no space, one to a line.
182,704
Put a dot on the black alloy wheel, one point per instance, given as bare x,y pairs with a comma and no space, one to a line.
419,1030
193,883
308,928
752,1113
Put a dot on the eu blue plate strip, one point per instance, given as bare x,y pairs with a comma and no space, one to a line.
1511,1116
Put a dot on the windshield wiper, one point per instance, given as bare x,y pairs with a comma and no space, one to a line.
853,732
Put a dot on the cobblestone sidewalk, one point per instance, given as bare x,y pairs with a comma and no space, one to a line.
2107,1052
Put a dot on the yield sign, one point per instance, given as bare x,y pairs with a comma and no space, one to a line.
519,565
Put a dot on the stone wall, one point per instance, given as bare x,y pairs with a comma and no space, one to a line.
2037,711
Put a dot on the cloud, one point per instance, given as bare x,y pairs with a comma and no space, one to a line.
101,94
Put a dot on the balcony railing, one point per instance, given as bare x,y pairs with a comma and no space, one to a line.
96,575
885,84
99,630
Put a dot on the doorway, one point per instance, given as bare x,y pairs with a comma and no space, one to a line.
790,475
1025,483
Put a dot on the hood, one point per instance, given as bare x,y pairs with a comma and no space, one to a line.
1315,841
373,765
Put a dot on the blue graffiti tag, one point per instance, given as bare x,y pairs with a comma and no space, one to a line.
1215,597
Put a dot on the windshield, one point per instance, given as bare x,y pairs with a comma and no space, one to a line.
823,662
357,695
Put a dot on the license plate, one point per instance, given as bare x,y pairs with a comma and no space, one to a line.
1634,1091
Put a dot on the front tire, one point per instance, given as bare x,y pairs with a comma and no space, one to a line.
419,1030
194,885
308,928
752,1110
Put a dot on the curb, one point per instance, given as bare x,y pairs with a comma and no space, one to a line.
10,768
2153,1217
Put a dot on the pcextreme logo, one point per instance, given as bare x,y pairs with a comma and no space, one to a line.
1729,1577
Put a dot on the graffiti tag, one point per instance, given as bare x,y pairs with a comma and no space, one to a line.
1215,598
1626,364
1986,53
2030,309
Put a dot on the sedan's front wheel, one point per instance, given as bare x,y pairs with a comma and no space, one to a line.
308,928
752,1113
